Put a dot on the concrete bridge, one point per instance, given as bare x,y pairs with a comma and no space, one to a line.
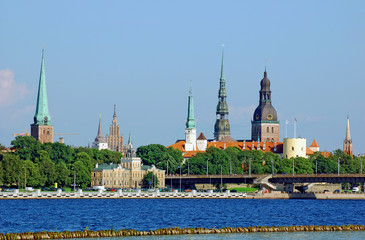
187,180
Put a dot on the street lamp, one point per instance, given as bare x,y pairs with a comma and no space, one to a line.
74,180
230,166
316,166
338,166
180,178
249,167
293,166
221,179
25,178
188,168
207,166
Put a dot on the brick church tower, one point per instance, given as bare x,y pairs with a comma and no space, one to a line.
265,124
347,143
42,129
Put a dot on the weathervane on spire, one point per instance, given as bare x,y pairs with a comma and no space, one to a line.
265,64
191,88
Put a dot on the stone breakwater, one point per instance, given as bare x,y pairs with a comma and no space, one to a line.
173,231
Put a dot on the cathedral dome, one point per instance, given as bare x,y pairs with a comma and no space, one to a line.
265,113
265,83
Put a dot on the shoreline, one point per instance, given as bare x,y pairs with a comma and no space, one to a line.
176,195
173,231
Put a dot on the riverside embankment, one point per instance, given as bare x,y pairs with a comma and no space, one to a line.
173,195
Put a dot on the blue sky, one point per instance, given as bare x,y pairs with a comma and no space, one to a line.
141,56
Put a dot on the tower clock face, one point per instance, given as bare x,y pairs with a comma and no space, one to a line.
269,116
257,116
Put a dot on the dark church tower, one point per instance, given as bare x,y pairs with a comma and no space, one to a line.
222,128
265,125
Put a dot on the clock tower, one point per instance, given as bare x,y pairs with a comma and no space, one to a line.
265,124
42,129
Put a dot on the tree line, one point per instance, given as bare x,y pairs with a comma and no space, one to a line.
43,165
233,160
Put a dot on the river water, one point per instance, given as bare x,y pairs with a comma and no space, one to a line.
145,214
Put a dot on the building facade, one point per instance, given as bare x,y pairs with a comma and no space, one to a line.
265,124
128,174
41,128
115,140
294,147
222,127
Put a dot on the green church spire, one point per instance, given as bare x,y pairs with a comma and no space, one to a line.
190,122
42,116
130,143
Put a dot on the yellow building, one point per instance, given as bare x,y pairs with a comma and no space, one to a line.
128,174
294,147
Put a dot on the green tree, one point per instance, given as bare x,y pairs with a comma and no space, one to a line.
30,172
46,169
158,155
197,164
303,166
148,178
83,175
63,175
27,147
85,159
1,173
12,169
59,152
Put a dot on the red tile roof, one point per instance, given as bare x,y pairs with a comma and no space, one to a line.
201,137
309,151
223,145
314,144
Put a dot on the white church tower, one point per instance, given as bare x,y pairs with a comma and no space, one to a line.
100,142
190,130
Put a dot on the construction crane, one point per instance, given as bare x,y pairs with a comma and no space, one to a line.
62,139
22,134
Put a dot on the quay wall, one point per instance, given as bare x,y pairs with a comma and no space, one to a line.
173,195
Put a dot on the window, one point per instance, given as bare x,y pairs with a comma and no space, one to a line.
268,129
292,148
272,129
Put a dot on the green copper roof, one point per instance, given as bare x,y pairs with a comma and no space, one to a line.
190,122
130,139
42,116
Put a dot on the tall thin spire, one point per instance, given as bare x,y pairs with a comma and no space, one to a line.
115,112
100,138
42,116
222,86
347,143
348,136
222,66
190,122
130,143
222,127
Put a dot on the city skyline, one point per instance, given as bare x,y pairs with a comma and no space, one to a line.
142,61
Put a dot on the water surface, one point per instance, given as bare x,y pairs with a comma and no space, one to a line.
145,214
